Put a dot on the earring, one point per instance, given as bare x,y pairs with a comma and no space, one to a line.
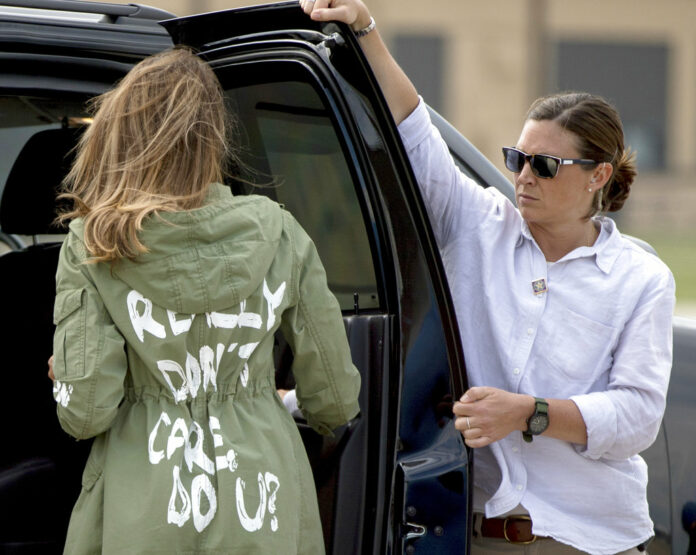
589,190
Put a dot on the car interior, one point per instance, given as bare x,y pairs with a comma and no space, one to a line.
40,474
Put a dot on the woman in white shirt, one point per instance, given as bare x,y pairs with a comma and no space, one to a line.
566,325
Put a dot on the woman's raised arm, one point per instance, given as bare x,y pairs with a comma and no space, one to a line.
400,93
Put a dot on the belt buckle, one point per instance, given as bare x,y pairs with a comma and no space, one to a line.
505,534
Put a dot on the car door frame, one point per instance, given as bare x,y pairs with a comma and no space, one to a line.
406,255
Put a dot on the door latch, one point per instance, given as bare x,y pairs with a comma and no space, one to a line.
333,40
411,530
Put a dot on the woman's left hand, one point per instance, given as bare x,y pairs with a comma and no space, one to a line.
487,414
352,12
50,369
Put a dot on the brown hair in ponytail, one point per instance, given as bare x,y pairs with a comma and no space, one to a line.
597,126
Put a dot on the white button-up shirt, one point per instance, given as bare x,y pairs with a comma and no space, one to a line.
597,330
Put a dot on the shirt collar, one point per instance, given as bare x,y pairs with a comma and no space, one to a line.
606,248
609,244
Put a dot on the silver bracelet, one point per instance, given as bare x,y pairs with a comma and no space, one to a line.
366,30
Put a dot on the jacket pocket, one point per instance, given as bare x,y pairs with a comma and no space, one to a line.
95,464
69,316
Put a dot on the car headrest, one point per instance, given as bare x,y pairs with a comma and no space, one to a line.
28,204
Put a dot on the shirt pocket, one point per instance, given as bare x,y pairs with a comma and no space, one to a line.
580,348
69,316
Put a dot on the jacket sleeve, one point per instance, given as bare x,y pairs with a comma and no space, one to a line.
327,381
89,357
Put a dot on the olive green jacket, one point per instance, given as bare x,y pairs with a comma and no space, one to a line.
168,361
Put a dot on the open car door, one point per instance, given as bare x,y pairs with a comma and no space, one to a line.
316,136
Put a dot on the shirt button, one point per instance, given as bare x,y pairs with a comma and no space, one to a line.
515,449
516,371
519,487
530,331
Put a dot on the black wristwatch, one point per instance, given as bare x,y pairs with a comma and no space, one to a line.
539,421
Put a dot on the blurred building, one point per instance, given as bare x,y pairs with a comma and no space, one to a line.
482,63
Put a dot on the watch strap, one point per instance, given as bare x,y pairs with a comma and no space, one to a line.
541,406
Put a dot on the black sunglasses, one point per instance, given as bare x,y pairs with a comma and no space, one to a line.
543,165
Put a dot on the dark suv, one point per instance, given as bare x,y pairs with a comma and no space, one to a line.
318,138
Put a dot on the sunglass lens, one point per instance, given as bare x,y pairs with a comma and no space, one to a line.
544,166
514,159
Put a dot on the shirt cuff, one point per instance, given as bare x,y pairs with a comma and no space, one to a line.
290,401
416,127
599,415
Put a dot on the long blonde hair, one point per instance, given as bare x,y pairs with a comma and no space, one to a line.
156,143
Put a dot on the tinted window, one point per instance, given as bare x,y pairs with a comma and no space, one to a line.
291,141
22,117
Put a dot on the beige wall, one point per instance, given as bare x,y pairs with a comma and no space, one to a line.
494,55
494,62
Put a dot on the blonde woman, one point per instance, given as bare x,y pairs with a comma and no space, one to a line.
169,291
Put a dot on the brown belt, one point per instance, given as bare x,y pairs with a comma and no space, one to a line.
514,529
517,529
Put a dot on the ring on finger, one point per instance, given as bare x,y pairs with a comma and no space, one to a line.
468,424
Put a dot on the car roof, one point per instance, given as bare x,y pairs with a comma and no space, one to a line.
83,11
70,47
64,26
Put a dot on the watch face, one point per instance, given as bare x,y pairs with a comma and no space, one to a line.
538,423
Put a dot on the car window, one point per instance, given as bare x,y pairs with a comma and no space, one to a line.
12,140
21,119
290,140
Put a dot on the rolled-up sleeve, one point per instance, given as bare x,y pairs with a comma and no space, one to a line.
89,357
625,419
